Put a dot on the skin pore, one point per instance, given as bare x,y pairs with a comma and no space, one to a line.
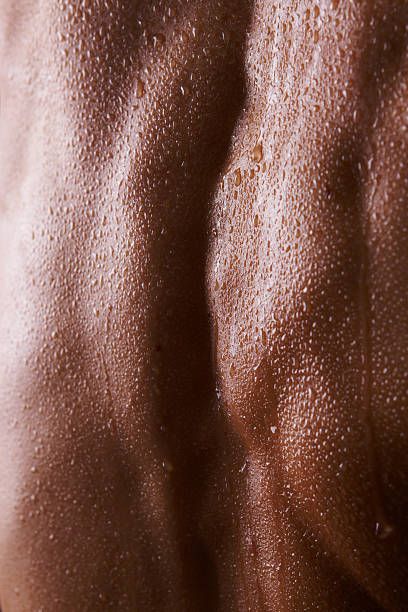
203,322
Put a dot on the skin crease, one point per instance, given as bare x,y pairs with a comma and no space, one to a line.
203,328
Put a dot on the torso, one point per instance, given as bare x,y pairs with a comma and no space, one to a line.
203,332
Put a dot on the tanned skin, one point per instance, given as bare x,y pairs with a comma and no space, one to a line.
203,305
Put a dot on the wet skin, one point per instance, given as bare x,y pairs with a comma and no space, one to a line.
203,321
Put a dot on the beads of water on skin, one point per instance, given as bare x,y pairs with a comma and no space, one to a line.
259,301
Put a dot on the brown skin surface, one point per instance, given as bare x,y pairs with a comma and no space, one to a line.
203,321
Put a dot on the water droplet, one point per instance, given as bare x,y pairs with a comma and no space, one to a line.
185,90
184,38
159,40
168,466
238,177
257,153
383,530
140,89
243,467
